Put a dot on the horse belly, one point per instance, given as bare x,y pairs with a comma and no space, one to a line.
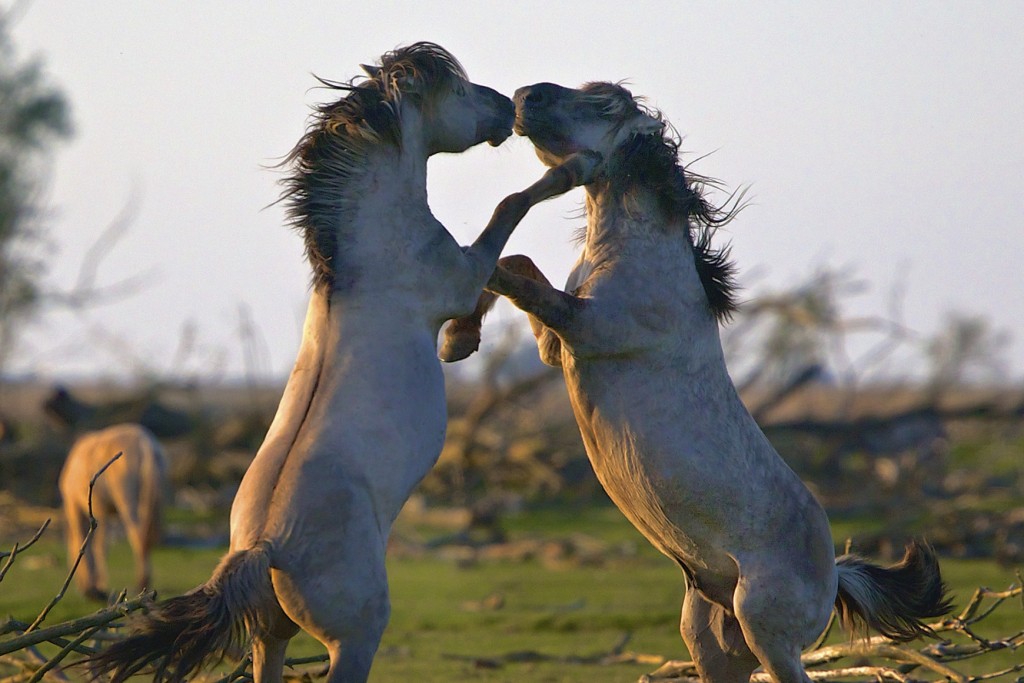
662,477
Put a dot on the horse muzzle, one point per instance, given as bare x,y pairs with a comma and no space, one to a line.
500,128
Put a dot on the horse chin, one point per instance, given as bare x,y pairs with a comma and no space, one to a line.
499,137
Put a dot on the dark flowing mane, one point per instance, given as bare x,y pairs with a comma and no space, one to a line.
333,150
652,162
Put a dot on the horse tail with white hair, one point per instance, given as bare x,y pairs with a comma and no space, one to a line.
180,635
891,600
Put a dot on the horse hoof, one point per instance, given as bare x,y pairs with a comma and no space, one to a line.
458,347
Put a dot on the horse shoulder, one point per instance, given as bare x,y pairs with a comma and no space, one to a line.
622,315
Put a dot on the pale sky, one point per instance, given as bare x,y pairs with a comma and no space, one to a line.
883,137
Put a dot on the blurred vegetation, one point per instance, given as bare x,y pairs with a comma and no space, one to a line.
940,456
34,116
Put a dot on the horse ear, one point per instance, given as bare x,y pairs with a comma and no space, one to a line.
371,71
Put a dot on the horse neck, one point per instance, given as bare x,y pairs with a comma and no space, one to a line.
623,227
383,201
401,172
393,176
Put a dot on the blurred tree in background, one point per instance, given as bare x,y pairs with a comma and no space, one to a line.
34,115
965,350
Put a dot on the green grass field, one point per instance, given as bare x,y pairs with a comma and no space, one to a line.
444,629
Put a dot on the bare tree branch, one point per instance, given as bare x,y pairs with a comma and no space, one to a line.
81,552
11,556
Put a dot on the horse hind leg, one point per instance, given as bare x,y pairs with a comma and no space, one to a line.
89,575
776,624
268,655
715,640
138,540
269,646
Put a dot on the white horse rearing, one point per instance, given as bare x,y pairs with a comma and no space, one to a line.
636,335
363,415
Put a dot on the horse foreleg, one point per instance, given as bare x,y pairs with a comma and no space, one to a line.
551,310
549,346
578,169
462,335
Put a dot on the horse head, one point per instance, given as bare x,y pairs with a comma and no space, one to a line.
563,121
424,81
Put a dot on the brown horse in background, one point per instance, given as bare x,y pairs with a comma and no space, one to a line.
131,489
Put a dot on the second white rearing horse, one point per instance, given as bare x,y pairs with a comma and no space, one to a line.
636,336
363,415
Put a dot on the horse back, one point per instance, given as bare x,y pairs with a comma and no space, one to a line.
132,484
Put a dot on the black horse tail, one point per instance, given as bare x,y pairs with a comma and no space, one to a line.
180,635
893,600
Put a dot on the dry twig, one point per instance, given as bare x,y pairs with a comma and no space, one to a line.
11,556
81,552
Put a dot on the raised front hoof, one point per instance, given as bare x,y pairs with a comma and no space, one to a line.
458,346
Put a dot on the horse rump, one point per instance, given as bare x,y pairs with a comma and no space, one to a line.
892,600
179,636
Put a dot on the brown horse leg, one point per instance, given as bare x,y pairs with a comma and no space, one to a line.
77,519
95,559
138,540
